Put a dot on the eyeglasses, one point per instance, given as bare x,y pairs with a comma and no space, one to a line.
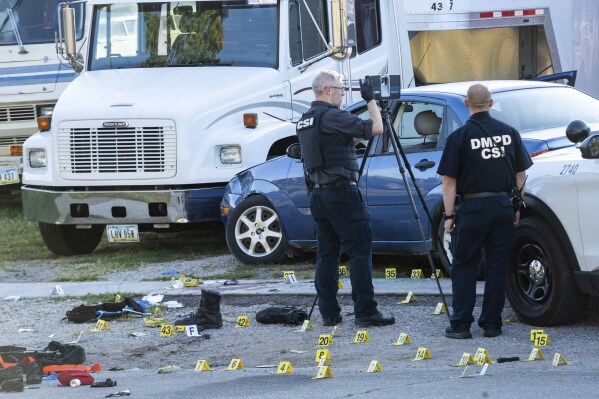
335,87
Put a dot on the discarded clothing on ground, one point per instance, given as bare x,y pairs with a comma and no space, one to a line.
278,315
65,377
106,311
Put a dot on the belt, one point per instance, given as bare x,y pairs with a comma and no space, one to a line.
484,194
334,185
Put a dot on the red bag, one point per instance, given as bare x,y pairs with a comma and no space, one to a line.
65,377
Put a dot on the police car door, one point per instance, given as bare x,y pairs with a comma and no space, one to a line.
421,127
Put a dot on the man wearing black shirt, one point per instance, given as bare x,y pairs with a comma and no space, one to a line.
479,163
326,135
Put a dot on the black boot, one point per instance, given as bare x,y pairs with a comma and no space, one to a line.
208,314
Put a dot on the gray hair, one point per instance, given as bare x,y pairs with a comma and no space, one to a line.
324,79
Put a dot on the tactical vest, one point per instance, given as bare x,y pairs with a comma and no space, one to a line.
322,150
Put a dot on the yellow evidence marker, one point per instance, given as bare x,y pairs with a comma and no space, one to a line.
361,336
235,364
465,360
323,357
242,321
403,339
534,333
306,326
166,330
343,270
439,309
422,353
100,325
559,359
390,272
179,329
202,365
541,340
534,355
375,367
416,273
325,340
284,368
409,298
288,273
340,284
439,274
323,372
482,356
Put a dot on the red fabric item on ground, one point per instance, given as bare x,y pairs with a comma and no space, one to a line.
65,377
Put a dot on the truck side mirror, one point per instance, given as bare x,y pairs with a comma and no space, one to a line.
344,29
68,28
294,151
68,16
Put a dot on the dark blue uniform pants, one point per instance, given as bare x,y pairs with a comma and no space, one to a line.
481,223
342,224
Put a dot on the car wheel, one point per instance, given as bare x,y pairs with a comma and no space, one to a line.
447,259
254,232
67,240
541,286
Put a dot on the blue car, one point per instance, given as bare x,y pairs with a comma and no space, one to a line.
265,208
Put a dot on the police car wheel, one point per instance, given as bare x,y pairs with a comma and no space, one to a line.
254,232
446,256
67,240
541,286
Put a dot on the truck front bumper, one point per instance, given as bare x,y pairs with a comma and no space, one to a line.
120,207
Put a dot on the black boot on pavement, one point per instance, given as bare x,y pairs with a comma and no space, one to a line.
208,314
376,319
459,331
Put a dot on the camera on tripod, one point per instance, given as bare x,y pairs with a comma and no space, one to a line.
385,87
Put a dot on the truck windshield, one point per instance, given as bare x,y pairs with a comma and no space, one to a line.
36,21
544,108
180,34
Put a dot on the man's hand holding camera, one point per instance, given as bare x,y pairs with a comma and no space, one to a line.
366,90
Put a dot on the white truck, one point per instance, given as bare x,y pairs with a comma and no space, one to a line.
177,97
31,76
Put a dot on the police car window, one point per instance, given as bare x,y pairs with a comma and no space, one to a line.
418,126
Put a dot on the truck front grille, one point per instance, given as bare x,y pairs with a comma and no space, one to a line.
16,114
5,141
99,152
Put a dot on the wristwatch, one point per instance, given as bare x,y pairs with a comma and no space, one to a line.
448,217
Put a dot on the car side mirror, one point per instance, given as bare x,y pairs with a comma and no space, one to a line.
590,147
294,151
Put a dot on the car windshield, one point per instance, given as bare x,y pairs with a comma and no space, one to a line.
185,33
544,108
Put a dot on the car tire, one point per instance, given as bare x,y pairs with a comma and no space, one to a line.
446,260
540,284
68,240
254,232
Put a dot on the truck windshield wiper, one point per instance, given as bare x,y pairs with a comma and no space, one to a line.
200,64
16,28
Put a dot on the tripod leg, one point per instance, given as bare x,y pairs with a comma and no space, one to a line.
394,142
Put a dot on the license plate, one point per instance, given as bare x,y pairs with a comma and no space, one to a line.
122,233
9,176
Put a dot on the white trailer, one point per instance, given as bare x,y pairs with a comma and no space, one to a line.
177,97
31,76
463,40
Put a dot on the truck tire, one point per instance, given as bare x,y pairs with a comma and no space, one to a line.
254,232
446,260
540,282
67,240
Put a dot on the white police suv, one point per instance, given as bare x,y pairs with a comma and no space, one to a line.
554,266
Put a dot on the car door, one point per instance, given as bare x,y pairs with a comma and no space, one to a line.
421,125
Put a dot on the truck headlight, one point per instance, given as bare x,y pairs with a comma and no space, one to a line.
230,154
37,158
45,110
